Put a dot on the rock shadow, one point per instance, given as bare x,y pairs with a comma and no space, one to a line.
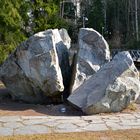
10,107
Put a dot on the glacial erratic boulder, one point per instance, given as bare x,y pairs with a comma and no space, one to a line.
111,89
34,72
93,52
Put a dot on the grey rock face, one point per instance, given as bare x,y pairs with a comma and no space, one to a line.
138,100
111,89
62,52
93,52
65,37
33,72
62,43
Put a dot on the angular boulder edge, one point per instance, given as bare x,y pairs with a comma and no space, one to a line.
111,89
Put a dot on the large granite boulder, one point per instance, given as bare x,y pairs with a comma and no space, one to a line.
33,72
93,52
111,89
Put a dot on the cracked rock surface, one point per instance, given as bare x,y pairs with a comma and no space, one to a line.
93,52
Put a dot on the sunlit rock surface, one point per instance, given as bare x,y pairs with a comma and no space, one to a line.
111,89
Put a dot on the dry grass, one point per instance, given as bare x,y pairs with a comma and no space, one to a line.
1,85
132,107
107,135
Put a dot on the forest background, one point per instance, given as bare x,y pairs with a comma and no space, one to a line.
117,20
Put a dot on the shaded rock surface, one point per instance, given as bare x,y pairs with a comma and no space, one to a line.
62,52
138,100
65,37
93,52
111,89
33,71
62,43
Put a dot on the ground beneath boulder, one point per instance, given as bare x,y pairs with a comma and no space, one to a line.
12,108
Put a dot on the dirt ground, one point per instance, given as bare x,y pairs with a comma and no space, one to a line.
10,107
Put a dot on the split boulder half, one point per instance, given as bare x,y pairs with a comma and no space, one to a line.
93,52
111,89
34,72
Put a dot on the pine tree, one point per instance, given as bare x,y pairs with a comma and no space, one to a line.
46,15
21,18
12,25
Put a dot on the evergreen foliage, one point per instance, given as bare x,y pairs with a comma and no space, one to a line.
46,15
115,19
11,25
21,18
